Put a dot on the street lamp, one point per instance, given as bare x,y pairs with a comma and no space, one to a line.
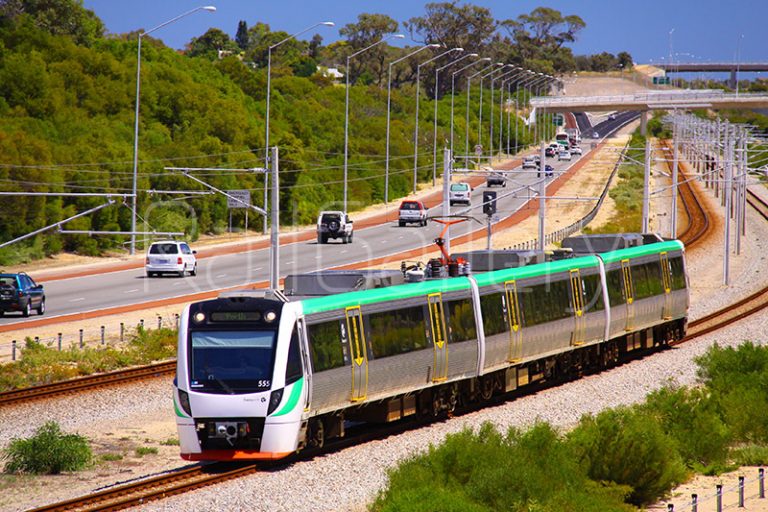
208,8
738,61
480,108
269,93
493,81
346,108
416,124
434,133
469,96
512,72
453,77
526,97
389,89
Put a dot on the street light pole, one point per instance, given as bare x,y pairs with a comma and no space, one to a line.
389,96
469,97
346,109
416,124
490,137
480,108
516,70
208,8
434,133
269,93
453,79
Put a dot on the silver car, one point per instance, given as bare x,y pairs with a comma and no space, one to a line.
170,257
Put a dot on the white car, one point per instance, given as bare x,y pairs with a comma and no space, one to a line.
460,193
576,150
170,257
332,225
530,161
564,155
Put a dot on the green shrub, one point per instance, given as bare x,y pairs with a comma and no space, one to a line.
750,455
486,471
738,381
171,441
49,451
691,418
111,457
628,446
145,450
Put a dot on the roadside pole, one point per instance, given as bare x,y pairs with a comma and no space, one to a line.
274,247
728,155
542,196
446,198
646,185
673,224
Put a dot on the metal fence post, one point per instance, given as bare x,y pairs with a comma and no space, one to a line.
81,338
694,503
719,494
102,335
761,482
13,350
177,320
670,507
122,331
37,340
141,323
741,492
159,322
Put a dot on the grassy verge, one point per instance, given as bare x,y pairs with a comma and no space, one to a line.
42,365
618,460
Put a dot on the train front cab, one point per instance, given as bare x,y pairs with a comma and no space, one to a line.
240,387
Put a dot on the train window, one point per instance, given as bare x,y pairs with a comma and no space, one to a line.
494,321
640,281
615,282
326,346
546,302
593,293
461,321
678,273
655,282
397,332
293,370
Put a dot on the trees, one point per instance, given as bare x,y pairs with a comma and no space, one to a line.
543,33
209,44
241,38
369,29
57,17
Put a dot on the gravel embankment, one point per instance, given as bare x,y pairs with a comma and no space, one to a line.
350,479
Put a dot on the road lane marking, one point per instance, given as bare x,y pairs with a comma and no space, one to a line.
288,262
131,291
344,251
257,268
77,300
221,275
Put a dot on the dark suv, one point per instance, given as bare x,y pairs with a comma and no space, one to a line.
19,292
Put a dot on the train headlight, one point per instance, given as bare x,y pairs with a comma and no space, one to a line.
270,316
184,402
274,400
199,317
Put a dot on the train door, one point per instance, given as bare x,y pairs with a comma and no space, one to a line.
357,349
304,343
629,294
439,336
577,305
515,325
666,279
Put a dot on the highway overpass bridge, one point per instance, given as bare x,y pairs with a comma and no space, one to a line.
652,100
734,68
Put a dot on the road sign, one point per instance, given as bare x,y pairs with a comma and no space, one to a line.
243,198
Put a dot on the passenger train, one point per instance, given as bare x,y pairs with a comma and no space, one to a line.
264,377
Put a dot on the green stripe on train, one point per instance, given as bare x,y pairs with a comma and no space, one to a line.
643,250
399,292
529,271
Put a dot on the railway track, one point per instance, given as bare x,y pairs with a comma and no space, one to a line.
87,383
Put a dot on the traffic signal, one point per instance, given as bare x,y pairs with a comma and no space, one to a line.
489,202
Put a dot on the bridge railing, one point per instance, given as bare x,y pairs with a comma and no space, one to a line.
645,98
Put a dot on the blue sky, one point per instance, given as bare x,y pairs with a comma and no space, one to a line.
704,30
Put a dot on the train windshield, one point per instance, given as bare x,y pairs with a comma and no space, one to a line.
232,362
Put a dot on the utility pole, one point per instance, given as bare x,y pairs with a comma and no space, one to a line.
446,196
673,224
646,186
274,247
542,196
727,190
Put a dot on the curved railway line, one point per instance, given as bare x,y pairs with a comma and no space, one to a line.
200,475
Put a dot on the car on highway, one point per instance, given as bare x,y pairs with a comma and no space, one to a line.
460,193
495,179
20,293
170,257
549,171
564,155
530,162
595,135
612,117
576,150
412,212
332,225
549,151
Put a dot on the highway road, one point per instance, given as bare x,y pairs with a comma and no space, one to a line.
121,288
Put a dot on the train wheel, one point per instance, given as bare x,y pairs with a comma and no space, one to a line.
316,433
486,387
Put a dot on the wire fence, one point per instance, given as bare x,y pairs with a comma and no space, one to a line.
726,498
560,234
101,337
